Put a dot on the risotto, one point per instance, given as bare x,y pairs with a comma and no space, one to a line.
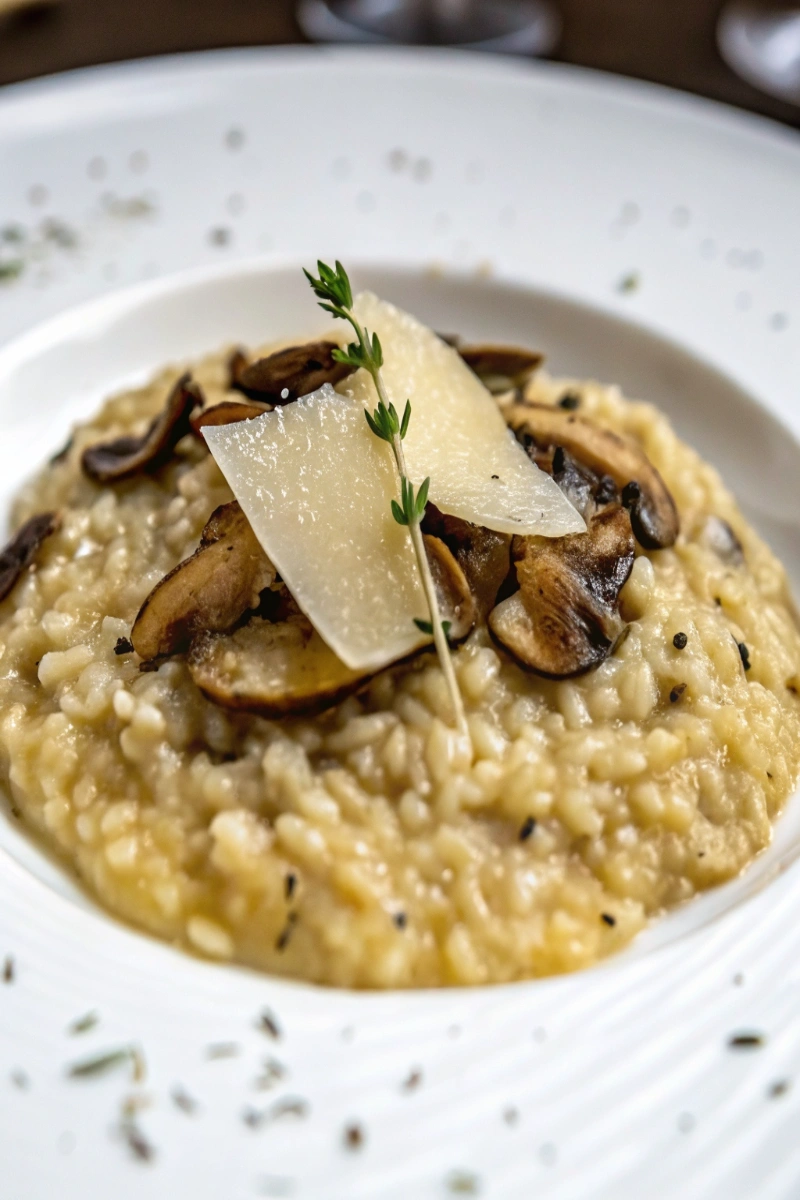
365,846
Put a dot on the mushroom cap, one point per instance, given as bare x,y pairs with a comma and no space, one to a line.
288,374
272,668
209,591
483,555
227,412
654,517
456,602
563,620
20,552
500,368
110,462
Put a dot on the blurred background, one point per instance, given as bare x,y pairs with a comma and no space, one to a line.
674,42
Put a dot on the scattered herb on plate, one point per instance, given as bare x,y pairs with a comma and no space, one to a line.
83,1024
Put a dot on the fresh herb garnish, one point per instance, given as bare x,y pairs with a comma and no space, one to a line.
101,1064
335,295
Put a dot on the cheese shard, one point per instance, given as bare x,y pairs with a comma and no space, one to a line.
316,486
457,435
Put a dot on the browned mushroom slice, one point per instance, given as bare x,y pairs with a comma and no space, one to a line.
227,413
501,368
654,516
482,554
291,373
274,669
108,462
210,591
452,588
22,549
237,361
563,620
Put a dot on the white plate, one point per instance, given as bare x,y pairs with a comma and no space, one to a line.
564,183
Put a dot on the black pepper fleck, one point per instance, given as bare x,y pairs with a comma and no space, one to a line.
495,477
609,920
353,1136
20,1080
9,970
413,1080
630,494
283,938
606,490
527,828
744,654
570,401
679,641
123,646
400,919
676,693
291,884
779,1088
746,1041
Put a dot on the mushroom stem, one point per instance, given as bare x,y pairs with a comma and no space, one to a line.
428,586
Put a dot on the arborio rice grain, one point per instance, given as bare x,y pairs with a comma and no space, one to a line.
360,848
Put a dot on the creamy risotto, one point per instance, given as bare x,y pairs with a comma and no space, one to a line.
363,846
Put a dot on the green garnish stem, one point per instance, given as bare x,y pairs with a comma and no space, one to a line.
428,586
335,295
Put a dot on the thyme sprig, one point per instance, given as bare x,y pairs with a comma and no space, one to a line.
335,295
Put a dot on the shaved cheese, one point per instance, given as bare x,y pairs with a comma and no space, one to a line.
457,435
316,487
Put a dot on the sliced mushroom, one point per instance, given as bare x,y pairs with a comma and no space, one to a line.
453,591
501,368
227,413
109,462
291,373
482,554
237,361
654,516
208,592
274,669
719,537
564,620
23,547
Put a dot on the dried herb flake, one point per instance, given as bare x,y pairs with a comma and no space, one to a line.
83,1024
527,828
463,1183
101,1064
182,1100
746,1041
268,1024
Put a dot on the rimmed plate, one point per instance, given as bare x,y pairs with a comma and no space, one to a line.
642,237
